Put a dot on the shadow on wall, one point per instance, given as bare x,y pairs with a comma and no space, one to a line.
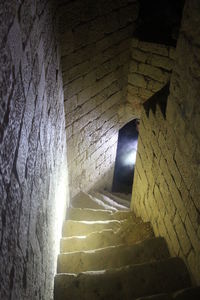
125,158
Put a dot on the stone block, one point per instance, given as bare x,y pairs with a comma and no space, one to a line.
77,57
135,102
81,36
191,209
133,90
104,83
161,225
137,80
192,234
182,235
144,93
85,95
106,68
139,55
154,48
76,71
111,23
67,43
183,169
120,38
178,200
73,88
154,85
70,104
162,62
173,236
171,138
160,202
96,29
89,79
153,72
114,99
88,106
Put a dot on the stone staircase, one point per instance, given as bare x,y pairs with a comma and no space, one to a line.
108,253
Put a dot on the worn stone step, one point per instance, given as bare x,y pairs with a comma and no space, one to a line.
113,257
129,282
87,214
105,238
122,196
77,228
188,294
185,294
84,200
157,297
109,201
118,197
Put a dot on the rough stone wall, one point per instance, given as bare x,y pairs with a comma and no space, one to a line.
95,41
149,70
32,150
166,186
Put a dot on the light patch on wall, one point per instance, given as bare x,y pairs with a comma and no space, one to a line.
61,204
129,158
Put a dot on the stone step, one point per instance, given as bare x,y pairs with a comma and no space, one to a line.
87,214
84,200
129,282
113,257
123,196
109,201
185,294
118,197
157,297
106,238
77,228
188,294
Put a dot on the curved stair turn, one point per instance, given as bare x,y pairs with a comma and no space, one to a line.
106,252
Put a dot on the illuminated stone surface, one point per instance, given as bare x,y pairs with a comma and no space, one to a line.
87,214
32,150
128,235
112,257
166,186
95,47
97,64
122,261
128,282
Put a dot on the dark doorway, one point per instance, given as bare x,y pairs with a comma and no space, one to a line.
159,21
125,158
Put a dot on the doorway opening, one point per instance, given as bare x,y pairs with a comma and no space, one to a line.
125,158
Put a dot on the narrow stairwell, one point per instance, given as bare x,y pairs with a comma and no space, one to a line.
106,252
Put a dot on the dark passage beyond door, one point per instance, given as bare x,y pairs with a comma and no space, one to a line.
125,158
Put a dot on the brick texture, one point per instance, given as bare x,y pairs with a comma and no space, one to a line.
95,39
166,184
150,68
32,149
